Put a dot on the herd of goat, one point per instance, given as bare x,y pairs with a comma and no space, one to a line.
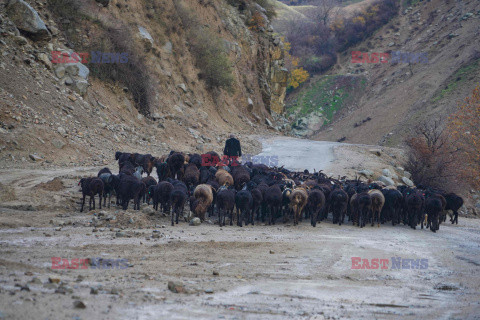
259,192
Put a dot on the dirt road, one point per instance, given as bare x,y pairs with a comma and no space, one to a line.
254,272
299,154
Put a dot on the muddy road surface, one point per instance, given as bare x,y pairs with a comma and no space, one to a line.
255,272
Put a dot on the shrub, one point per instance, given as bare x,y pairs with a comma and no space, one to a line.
349,31
319,64
257,22
208,50
464,127
313,43
432,155
211,58
133,75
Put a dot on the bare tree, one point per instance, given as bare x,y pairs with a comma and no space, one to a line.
324,11
432,155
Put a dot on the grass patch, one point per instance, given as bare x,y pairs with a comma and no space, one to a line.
327,95
458,79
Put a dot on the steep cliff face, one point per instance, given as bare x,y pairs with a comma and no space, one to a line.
262,48
277,76
160,100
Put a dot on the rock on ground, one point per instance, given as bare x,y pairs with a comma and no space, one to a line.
26,19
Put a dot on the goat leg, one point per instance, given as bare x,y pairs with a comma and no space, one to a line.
83,203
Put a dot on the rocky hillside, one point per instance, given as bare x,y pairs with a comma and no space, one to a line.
163,98
397,96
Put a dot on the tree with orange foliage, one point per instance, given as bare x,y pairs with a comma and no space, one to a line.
464,127
257,22
298,75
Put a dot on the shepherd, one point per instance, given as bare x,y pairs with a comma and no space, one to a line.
232,150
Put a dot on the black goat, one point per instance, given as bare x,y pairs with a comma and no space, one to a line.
178,198
175,165
149,182
315,203
454,203
130,188
196,159
361,204
434,204
244,203
257,203
91,187
123,157
338,201
162,170
414,206
225,204
392,209
161,195
108,189
273,200
127,168
104,170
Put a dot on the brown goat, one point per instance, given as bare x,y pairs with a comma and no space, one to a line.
203,199
191,176
378,200
298,200
224,178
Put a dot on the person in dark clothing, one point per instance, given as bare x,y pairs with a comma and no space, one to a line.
232,147
232,150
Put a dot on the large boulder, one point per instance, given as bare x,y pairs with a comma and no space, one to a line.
390,174
408,182
365,172
80,86
386,180
306,126
73,73
387,173
77,69
27,20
